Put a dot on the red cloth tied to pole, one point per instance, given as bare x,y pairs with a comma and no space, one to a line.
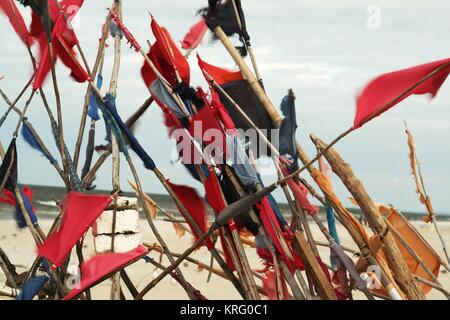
166,57
213,195
300,192
194,205
220,75
63,40
270,286
205,127
195,35
16,20
101,267
80,212
381,93
274,231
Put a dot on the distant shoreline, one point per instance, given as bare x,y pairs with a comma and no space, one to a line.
44,196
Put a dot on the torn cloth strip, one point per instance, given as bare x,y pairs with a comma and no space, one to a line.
288,128
29,136
381,93
164,97
80,212
110,104
93,106
100,267
223,14
240,162
300,193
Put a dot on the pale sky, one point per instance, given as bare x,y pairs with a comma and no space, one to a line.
323,50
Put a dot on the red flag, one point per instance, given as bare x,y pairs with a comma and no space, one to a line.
219,109
80,212
213,194
223,114
206,128
273,229
190,199
166,57
381,93
270,287
220,75
100,268
63,40
16,20
195,35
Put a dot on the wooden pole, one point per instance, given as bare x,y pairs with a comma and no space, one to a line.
395,261
152,225
248,75
58,106
100,54
248,45
13,104
35,134
115,283
269,244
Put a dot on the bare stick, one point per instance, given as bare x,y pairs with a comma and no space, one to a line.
100,53
421,190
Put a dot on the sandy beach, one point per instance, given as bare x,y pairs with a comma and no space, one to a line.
17,244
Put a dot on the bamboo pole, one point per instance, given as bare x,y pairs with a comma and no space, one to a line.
248,75
247,44
395,261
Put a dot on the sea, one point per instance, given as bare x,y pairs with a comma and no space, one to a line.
45,197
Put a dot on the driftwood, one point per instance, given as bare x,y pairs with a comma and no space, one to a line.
394,258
